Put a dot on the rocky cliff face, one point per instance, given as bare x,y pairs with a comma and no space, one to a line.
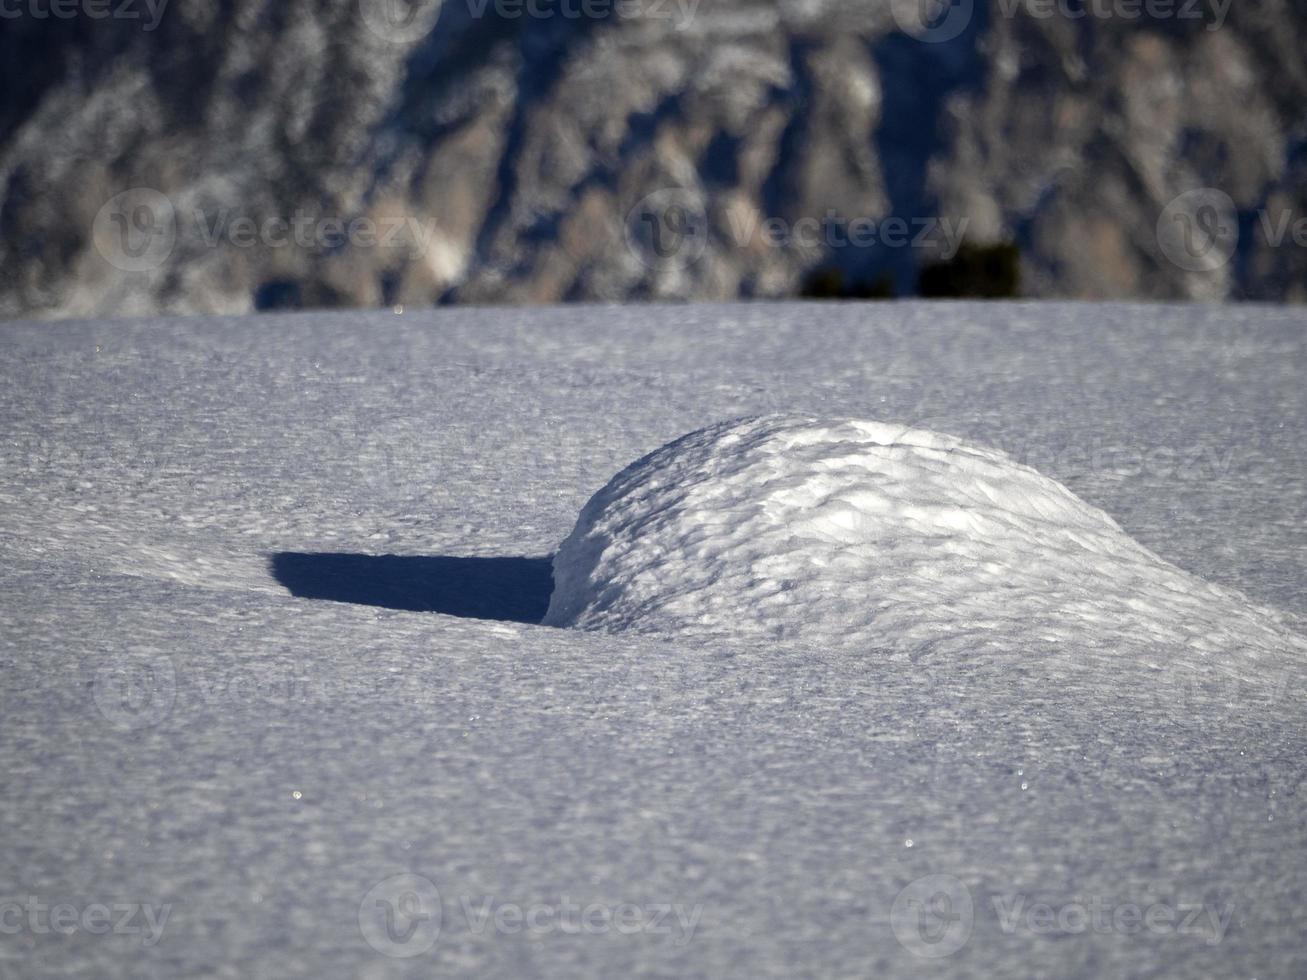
227,156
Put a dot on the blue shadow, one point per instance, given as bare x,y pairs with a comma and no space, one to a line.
513,590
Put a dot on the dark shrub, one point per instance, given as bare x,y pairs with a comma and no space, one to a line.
976,272
829,283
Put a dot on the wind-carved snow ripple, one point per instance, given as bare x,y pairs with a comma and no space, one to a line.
841,531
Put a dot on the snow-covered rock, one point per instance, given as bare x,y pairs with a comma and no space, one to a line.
847,531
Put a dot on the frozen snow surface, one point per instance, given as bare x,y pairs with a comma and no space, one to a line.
849,698
852,532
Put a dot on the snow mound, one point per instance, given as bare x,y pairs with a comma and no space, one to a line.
845,531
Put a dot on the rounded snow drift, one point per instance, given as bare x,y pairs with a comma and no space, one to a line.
844,531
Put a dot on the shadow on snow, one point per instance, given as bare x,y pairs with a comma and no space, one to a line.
508,589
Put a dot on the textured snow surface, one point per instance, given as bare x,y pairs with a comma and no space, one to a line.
846,531
270,592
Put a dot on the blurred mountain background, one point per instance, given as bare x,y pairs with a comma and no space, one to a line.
208,156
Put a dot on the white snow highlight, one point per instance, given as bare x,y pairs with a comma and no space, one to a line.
845,531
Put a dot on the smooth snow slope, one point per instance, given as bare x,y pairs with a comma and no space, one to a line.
187,721
850,532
